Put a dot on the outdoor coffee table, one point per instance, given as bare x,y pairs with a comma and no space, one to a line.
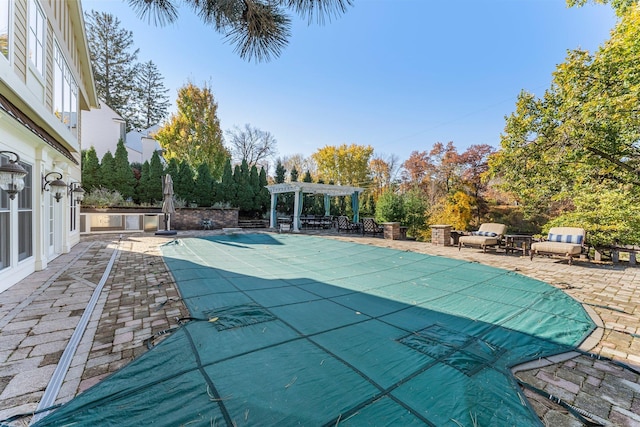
518,242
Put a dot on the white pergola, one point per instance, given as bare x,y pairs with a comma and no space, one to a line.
300,188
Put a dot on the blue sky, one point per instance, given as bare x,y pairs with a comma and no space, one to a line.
399,75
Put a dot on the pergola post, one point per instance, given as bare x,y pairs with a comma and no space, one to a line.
355,206
327,205
274,203
296,211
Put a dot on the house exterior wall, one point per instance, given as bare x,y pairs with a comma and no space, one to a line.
37,227
101,129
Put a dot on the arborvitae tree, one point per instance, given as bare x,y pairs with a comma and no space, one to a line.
294,174
90,170
281,173
113,61
184,183
143,188
264,197
156,173
172,169
245,192
153,102
283,198
136,168
204,186
107,166
310,200
254,183
123,179
226,189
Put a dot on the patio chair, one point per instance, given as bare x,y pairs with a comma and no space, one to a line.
562,241
369,225
488,235
345,224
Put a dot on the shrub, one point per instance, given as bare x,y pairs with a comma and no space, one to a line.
455,210
608,216
389,207
415,212
103,198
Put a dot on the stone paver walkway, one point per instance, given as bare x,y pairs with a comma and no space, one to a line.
140,301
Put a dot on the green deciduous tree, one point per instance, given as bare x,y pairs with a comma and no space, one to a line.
193,133
344,165
584,131
610,217
259,29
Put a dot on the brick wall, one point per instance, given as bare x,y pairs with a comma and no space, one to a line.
191,218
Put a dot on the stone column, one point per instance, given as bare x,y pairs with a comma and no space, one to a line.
441,234
391,230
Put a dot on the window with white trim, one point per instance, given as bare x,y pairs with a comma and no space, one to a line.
25,216
65,91
5,224
36,36
73,207
5,22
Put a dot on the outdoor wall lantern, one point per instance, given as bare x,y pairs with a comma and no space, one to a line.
12,175
75,190
56,184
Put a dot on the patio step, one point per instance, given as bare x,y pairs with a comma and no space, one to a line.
253,223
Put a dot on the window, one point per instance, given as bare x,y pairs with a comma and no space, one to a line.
4,27
25,216
66,91
36,36
5,216
74,209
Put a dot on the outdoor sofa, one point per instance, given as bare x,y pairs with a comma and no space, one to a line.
489,234
563,241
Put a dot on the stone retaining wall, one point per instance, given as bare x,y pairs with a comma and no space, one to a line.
191,218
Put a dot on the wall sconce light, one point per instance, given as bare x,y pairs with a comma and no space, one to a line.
75,190
12,175
57,184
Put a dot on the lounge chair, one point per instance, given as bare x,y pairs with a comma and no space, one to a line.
562,241
345,224
489,234
369,225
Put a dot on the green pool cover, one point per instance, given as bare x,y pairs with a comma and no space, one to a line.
300,330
